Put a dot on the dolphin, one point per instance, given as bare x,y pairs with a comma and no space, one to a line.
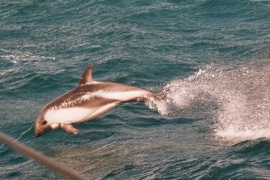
87,101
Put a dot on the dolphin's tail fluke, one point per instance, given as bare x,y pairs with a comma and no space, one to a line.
151,97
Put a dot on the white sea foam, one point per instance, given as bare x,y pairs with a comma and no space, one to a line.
236,98
16,56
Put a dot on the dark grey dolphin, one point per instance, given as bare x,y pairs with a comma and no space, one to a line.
87,101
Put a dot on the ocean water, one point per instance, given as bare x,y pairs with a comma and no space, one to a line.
210,57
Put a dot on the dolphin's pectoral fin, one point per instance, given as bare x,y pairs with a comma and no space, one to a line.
69,128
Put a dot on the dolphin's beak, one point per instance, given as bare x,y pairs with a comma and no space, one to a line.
41,129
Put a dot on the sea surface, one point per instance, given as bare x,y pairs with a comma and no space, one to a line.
211,58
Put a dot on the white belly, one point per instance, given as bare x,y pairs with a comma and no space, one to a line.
72,115
76,114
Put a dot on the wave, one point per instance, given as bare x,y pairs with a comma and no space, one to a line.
236,98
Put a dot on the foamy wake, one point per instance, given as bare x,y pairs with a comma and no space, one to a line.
16,56
236,98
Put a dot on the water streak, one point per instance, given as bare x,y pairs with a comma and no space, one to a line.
235,97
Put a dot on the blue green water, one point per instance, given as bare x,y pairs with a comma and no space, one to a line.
211,57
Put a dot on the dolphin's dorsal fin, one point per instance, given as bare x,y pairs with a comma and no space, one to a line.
87,76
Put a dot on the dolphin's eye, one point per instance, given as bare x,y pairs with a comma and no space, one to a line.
44,122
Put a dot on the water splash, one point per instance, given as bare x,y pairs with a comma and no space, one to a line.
236,98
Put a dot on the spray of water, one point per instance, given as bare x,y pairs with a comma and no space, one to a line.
236,98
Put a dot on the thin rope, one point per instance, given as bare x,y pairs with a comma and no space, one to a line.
42,159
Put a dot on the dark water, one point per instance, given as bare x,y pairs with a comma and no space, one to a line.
211,57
